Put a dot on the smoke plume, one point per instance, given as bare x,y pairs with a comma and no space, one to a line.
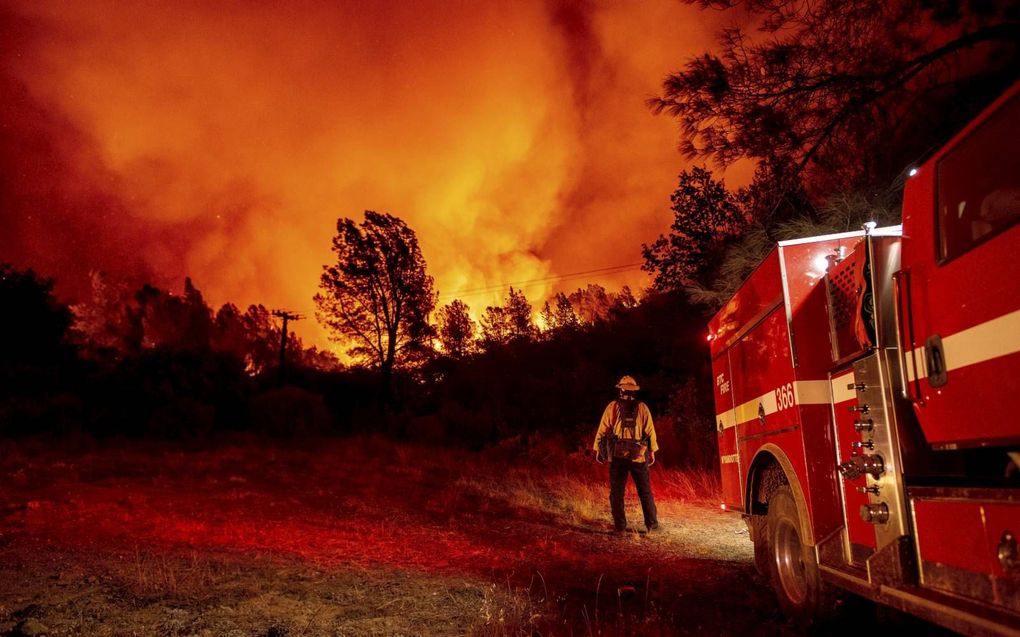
223,140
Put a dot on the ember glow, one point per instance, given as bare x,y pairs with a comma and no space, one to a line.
223,140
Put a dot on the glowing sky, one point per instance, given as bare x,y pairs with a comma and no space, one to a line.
222,140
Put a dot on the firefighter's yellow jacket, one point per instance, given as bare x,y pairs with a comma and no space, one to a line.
611,422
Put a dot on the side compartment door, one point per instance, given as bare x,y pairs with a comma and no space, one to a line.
860,536
764,408
729,459
960,288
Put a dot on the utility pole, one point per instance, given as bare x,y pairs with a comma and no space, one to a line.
286,316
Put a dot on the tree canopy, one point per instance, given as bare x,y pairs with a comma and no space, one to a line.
510,322
826,83
35,323
456,328
831,100
706,216
377,296
116,322
561,316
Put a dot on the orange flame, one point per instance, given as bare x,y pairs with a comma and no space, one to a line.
223,140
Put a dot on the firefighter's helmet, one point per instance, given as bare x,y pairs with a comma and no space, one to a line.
627,383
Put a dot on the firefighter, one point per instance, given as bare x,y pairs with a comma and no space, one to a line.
626,439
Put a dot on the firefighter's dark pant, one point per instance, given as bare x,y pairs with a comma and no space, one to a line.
618,471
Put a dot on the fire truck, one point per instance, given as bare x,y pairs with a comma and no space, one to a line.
867,391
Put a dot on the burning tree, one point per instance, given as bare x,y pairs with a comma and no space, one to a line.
377,295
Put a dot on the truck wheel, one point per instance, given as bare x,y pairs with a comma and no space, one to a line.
803,596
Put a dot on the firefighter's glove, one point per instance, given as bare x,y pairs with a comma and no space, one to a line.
651,458
596,456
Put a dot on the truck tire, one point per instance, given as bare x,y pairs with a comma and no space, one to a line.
757,528
804,598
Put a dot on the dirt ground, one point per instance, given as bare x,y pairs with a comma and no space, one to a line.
359,538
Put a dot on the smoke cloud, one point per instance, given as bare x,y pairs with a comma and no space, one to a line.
223,140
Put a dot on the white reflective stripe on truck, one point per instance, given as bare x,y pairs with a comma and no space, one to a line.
983,342
787,395
840,390
725,420
811,392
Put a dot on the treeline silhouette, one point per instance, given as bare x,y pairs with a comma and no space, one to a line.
146,362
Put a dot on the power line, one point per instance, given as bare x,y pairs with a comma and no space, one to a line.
521,287
607,271
556,278
551,277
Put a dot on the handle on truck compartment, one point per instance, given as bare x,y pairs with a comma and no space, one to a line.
905,336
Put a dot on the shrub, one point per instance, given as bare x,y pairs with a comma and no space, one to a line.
182,417
290,411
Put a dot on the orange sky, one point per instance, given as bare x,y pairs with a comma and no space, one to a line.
223,140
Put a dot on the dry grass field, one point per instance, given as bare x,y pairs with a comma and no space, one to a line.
359,537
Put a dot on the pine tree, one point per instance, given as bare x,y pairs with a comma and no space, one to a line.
456,329
377,295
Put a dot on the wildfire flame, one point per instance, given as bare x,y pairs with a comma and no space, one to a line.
223,140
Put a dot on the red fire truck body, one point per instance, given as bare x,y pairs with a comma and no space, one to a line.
865,390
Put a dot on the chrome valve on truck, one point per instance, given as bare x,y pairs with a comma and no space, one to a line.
875,513
857,466
864,425
858,445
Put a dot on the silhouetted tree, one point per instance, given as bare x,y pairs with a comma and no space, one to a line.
776,193
547,319
377,295
456,329
495,327
512,322
33,323
228,332
624,299
105,324
706,217
113,322
318,359
175,322
252,337
559,317
843,85
519,316
591,303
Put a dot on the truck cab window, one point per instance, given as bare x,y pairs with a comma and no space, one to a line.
979,184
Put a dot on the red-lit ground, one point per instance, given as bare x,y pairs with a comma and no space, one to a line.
359,538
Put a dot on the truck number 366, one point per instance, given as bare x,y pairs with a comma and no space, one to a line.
784,396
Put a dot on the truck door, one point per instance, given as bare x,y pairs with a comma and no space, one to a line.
959,291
